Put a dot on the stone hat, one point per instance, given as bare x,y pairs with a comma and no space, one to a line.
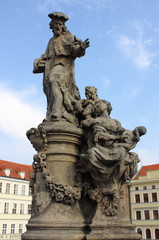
58,15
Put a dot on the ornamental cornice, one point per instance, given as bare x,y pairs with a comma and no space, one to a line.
141,182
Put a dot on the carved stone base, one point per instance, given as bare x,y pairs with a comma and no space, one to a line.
78,231
58,210
113,232
56,223
110,228
63,222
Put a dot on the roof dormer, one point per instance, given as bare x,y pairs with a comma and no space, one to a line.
22,174
7,171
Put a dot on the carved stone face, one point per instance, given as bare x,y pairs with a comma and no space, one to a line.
57,26
90,93
128,135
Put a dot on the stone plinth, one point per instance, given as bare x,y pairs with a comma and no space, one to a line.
59,208
55,209
113,232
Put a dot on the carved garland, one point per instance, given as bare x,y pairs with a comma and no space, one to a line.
60,192
108,202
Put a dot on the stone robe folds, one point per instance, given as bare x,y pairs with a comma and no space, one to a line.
59,72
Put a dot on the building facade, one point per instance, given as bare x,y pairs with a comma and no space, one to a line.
144,201
15,199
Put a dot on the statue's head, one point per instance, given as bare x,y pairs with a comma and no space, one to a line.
141,130
91,93
57,23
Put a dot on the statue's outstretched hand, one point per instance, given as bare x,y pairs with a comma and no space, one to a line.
85,44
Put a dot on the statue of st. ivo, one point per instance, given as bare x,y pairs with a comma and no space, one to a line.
57,64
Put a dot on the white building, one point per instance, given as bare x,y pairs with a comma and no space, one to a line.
15,199
144,192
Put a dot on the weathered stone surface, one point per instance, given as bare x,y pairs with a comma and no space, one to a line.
84,156
57,64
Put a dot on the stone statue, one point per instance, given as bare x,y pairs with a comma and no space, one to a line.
58,66
83,157
107,155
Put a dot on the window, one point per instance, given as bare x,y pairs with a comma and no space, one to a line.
153,186
23,190
20,228
139,231
155,214
145,196
14,210
15,189
22,208
137,198
0,186
144,187
136,188
154,197
30,191
6,207
138,215
148,234
156,233
12,229
29,208
8,188
147,215
4,229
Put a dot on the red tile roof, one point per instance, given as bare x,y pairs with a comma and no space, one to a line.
15,169
144,169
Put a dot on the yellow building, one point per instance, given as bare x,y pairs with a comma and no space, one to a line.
15,199
144,200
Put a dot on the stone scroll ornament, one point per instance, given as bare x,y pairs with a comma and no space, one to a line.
105,161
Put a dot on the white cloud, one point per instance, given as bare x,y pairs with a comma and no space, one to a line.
132,93
17,150
135,51
135,48
106,81
142,120
17,116
111,30
135,92
43,7
148,157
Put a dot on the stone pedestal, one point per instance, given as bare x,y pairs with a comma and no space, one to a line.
111,228
55,210
75,229
59,212
113,232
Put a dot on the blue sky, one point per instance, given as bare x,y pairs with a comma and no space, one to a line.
122,62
